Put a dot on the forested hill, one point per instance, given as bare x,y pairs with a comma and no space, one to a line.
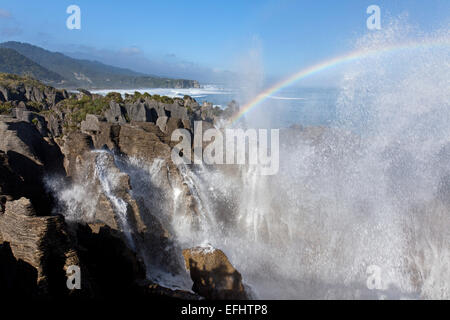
60,70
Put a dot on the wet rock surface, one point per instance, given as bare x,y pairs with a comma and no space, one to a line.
87,146
213,275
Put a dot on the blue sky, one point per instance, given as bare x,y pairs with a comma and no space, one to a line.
202,36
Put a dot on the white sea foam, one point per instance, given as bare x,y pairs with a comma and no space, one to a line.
173,93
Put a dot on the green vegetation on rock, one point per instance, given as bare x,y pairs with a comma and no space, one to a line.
86,105
13,62
36,106
156,97
162,99
114,96
5,108
13,80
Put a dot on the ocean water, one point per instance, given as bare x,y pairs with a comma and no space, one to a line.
295,106
217,94
290,106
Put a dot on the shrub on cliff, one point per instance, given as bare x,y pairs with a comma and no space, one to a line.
36,106
162,99
12,80
114,96
86,105
146,95
137,96
131,98
5,108
165,99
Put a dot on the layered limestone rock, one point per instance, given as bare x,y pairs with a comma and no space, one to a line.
91,124
22,207
112,239
115,113
35,253
41,242
25,158
115,206
23,114
161,123
11,89
143,141
213,275
75,147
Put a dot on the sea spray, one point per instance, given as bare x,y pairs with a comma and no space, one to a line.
78,200
75,201
102,174
161,205
367,193
109,180
204,216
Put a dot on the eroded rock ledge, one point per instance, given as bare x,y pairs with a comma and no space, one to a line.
46,132
40,242
213,275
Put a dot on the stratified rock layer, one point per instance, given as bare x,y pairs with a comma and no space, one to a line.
50,135
41,242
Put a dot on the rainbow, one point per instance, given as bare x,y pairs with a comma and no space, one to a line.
348,57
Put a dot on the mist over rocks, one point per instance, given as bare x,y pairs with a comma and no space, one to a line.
366,192
74,191
98,174
101,166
